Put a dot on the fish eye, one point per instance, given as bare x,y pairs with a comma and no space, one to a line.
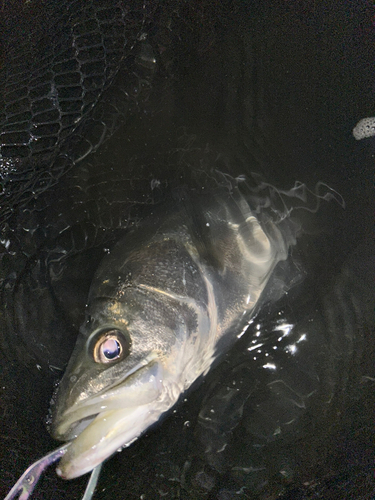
110,346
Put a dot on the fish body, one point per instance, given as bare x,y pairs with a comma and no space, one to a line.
170,297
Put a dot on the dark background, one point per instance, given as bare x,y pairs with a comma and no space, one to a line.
183,87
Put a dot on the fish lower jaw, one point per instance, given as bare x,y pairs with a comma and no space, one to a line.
109,432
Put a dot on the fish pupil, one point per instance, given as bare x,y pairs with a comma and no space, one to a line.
111,349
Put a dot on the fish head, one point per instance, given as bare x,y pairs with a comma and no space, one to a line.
124,372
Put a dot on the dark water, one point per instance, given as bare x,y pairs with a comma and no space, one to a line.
271,88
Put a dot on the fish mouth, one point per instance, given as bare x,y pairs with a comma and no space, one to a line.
101,425
107,433
138,386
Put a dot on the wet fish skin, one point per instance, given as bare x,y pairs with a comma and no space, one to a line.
166,296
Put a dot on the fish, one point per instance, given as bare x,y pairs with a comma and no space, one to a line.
165,303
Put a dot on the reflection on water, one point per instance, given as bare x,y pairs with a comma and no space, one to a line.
271,89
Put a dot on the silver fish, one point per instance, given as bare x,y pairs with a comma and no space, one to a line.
164,303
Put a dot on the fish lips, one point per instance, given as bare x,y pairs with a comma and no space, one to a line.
141,386
100,424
